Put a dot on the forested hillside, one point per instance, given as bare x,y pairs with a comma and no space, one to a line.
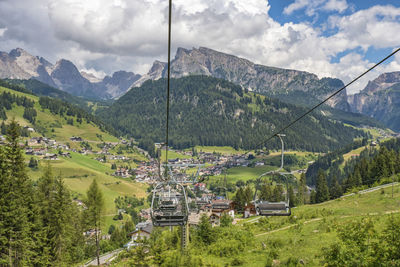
211,111
17,101
333,175
41,89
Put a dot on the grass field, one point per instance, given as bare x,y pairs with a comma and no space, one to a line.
312,227
301,238
225,150
243,173
173,155
78,173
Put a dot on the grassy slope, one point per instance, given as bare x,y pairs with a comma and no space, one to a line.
310,229
87,131
313,227
225,150
79,170
78,173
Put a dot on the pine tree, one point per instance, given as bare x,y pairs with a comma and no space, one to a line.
322,191
277,193
94,203
302,189
335,190
15,203
265,192
248,195
3,128
292,198
313,197
204,230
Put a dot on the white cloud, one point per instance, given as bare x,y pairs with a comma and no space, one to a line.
296,5
109,35
311,7
336,5
2,31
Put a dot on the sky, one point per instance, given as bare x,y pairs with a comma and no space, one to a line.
331,38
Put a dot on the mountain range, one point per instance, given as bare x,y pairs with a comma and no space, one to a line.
293,86
64,75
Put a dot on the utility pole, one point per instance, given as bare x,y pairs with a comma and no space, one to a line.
184,236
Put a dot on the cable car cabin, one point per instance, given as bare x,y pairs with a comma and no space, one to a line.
266,208
169,205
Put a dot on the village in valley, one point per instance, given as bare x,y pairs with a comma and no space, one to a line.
132,163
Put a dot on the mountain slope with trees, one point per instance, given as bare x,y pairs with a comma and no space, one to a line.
48,116
210,111
380,99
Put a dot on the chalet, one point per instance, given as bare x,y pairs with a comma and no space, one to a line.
29,129
91,233
145,213
79,203
66,154
122,172
101,159
249,210
174,160
50,156
51,142
39,151
76,139
35,141
200,186
143,231
220,206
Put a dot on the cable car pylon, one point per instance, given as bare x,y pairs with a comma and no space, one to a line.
273,208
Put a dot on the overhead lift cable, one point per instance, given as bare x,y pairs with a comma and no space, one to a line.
280,131
168,84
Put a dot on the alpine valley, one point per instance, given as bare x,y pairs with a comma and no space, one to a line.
82,158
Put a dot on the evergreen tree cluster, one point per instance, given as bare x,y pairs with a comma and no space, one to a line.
210,111
331,161
40,225
148,145
368,169
8,99
15,87
61,108
35,87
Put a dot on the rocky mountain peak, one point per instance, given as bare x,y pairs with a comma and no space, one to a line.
65,64
380,99
382,82
17,52
157,69
64,75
